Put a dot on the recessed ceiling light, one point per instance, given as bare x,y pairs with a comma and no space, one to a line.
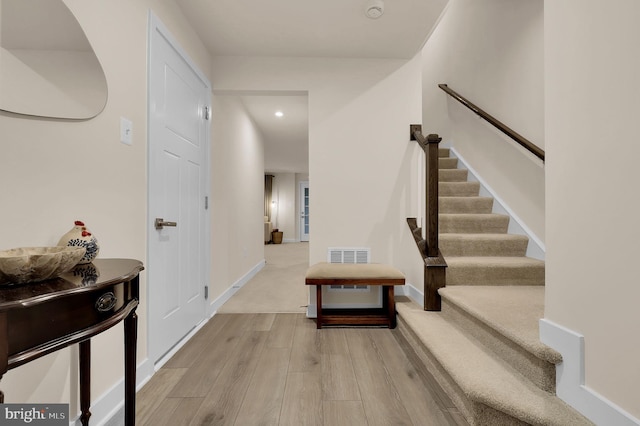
279,114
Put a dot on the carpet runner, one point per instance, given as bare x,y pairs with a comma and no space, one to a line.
483,348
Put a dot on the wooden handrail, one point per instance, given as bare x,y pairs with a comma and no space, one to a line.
521,140
434,263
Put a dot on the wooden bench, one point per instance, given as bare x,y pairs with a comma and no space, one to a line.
322,274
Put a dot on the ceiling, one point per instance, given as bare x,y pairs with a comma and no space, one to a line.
303,28
324,28
286,137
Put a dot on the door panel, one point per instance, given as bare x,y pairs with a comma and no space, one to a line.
181,116
178,173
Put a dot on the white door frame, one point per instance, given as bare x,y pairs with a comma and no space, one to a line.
155,25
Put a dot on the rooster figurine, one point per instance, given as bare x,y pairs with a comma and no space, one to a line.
81,237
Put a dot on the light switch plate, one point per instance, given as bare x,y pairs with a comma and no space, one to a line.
126,131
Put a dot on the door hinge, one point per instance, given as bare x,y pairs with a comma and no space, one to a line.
206,202
207,113
206,292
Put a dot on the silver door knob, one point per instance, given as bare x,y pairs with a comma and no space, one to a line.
160,223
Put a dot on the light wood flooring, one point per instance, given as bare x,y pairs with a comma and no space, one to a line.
278,369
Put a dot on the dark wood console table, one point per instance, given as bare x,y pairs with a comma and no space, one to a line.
39,318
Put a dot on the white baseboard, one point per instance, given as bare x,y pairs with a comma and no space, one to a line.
570,380
220,300
536,247
166,357
312,311
412,293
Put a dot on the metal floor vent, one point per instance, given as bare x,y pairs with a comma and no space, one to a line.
348,255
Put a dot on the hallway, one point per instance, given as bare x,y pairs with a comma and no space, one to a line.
269,368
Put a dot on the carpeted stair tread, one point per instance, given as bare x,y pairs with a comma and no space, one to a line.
513,311
495,336
467,204
458,189
481,376
501,244
488,270
484,223
453,175
443,152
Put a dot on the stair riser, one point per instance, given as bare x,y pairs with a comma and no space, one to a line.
540,372
474,412
494,275
480,205
467,247
453,175
443,152
447,163
469,224
458,189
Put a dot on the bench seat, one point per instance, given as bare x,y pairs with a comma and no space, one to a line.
322,274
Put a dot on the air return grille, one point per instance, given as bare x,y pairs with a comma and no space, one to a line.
348,255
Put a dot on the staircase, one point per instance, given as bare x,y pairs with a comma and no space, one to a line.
483,348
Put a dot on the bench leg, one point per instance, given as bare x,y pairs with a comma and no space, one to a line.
318,306
391,306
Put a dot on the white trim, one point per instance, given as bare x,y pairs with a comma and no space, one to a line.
166,357
109,407
570,378
226,295
290,240
312,310
536,247
411,292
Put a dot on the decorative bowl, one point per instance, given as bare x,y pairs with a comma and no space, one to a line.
33,264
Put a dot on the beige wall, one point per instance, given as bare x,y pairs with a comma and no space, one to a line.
573,84
237,198
362,167
55,172
62,171
592,127
491,51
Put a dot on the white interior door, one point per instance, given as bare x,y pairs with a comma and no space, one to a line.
304,211
179,99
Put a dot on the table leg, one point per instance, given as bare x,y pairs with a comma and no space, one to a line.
318,306
130,338
85,381
4,349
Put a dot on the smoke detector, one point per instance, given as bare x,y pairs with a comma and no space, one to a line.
374,9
